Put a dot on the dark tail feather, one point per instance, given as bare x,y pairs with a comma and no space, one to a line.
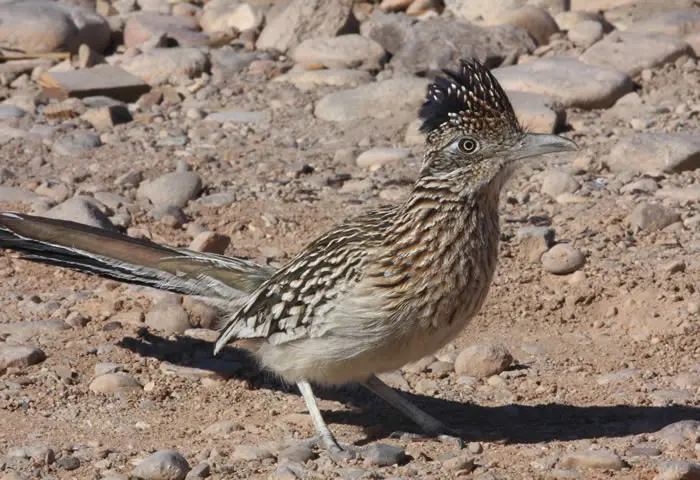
126,259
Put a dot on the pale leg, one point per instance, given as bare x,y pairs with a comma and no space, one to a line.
325,436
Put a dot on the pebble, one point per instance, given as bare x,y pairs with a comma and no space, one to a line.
638,451
652,153
296,453
168,318
536,21
19,356
464,463
82,210
574,83
483,360
538,113
562,259
75,144
250,452
68,463
220,16
8,112
107,367
586,33
162,465
678,470
651,217
602,459
114,383
345,51
162,65
381,455
556,182
210,242
172,189
378,157
203,470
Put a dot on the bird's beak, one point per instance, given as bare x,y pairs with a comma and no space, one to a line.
533,144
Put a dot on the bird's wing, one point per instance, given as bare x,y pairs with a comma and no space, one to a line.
119,257
304,289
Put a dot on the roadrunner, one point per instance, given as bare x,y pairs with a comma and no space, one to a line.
369,296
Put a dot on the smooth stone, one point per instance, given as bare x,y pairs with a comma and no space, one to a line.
562,259
345,51
19,356
556,182
311,79
296,453
211,242
377,157
168,318
483,360
382,455
653,153
172,189
651,217
491,11
82,210
162,465
374,100
537,113
571,82
221,16
535,20
113,383
601,459
162,65
8,112
75,144
250,452
632,52
586,33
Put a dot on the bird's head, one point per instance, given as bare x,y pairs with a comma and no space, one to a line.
472,129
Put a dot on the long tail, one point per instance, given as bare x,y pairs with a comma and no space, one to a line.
130,260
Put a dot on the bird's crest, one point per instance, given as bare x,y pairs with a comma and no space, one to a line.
471,100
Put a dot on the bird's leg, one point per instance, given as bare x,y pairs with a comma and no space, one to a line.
324,437
429,424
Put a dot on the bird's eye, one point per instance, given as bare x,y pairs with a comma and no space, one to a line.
467,145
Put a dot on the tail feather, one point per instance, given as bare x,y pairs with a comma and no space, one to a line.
130,260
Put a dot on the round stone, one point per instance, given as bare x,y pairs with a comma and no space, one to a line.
562,259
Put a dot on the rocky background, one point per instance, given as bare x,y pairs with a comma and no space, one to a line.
251,127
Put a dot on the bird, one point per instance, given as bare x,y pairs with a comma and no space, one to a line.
371,295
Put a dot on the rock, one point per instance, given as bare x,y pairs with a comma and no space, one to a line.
19,356
221,429
297,453
679,433
233,116
483,360
107,367
602,459
104,118
538,23
312,79
651,217
567,20
538,113
40,454
75,144
68,463
631,52
586,33
464,463
250,452
382,455
679,23
172,189
220,16
678,470
162,65
653,153
644,185
227,61
297,20
562,259
210,242
114,383
666,397
82,210
345,51
168,318
491,11
377,157
430,45
535,241
203,470
40,26
107,80
556,182
395,5
12,194
8,112
143,28
162,465
572,83
682,195
374,100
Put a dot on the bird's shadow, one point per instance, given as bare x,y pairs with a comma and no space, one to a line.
512,423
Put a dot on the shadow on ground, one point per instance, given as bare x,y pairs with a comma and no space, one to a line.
507,423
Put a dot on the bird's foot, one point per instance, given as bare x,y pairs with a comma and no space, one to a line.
440,432
336,451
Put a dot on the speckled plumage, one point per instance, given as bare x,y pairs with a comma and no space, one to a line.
369,296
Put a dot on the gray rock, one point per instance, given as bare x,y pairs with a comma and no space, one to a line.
172,189
345,51
296,20
106,367
374,100
436,43
644,185
82,210
19,356
311,79
45,26
203,470
538,113
383,455
536,21
679,23
39,453
162,465
161,65
169,215
586,33
464,463
227,62
297,453
220,199
68,463
602,459
562,259
250,452
8,112
679,433
572,83
651,217
678,470
233,116
168,318
653,153
631,52
75,144
110,383
483,360
556,182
